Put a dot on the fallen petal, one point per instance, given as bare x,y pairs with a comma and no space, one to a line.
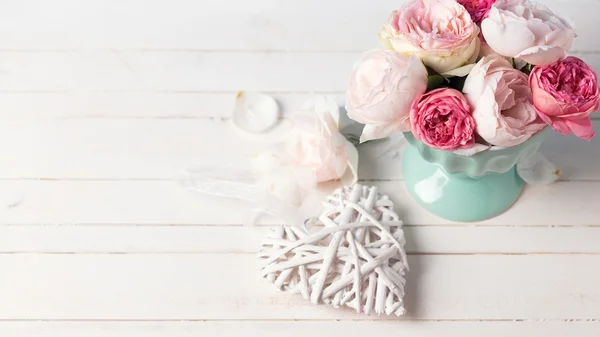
472,151
255,112
537,170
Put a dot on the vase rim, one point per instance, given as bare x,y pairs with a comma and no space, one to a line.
482,163
493,149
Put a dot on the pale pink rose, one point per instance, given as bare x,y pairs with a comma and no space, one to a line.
478,9
486,50
442,119
440,32
382,88
527,30
502,102
565,93
315,142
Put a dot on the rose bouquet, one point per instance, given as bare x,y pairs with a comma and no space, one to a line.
466,73
472,83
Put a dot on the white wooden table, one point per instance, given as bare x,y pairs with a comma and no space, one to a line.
103,101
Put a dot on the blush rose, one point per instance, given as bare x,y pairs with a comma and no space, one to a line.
382,88
502,102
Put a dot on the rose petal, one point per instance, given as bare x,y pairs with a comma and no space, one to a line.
255,112
582,128
372,132
472,151
542,55
495,34
537,170
325,108
459,72
527,30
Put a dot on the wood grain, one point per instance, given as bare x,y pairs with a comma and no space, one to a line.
132,104
102,102
153,287
297,329
139,239
160,149
165,203
80,72
307,25
66,105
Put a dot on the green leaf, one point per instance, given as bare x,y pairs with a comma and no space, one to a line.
434,82
457,83
527,68
431,72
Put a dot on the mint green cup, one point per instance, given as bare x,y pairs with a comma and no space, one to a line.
465,189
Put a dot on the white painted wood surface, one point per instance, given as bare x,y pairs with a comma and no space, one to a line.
102,102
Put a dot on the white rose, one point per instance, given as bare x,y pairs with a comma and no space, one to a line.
527,30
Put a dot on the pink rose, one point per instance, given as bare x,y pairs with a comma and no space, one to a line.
442,119
502,102
565,93
527,30
382,88
478,9
440,32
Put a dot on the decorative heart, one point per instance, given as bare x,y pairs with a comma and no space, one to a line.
352,254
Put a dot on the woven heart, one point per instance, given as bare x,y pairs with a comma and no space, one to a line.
352,254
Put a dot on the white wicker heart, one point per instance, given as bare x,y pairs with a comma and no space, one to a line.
352,254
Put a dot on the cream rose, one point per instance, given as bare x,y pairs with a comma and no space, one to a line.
527,30
502,102
382,88
440,32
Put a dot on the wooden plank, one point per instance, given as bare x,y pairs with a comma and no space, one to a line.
216,25
298,329
83,71
165,202
246,240
173,287
68,105
146,105
125,149
159,149
80,72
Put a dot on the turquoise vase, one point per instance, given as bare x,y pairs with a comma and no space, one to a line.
463,188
